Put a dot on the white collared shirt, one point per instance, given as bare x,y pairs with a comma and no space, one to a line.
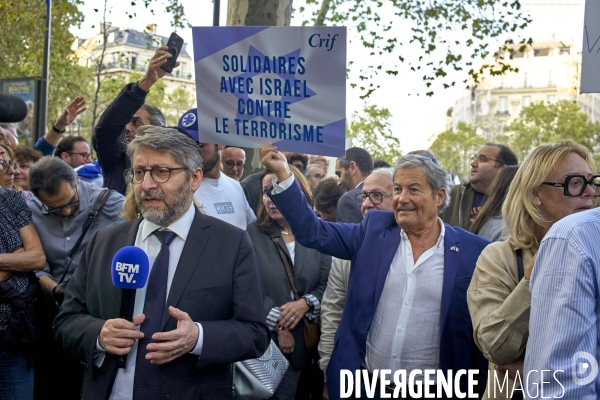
145,240
405,332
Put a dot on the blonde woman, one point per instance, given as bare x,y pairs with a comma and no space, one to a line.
554,181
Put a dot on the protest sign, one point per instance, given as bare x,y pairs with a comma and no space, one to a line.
285,85
590,53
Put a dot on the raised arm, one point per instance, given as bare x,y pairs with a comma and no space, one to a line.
335,239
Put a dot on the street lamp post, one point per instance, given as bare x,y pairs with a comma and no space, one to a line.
43,108
216,12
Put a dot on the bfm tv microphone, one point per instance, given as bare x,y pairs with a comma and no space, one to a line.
130,268
129,271
12,108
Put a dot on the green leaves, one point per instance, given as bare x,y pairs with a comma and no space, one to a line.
454,149
21,48
469,25
370,129
546,123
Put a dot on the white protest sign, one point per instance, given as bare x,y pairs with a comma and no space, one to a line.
590,63
285,85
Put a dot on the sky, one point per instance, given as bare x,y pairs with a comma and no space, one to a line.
415,117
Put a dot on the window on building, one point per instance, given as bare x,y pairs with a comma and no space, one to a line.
526,101
550,79
502,105
551,98
133,62
525,80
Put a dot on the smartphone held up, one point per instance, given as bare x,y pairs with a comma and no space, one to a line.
174,45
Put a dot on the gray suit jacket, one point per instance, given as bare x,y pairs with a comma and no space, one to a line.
220,289
348,210
310,269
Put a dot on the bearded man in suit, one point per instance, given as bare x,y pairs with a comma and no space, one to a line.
201,309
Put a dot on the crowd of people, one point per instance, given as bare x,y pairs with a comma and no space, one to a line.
399,269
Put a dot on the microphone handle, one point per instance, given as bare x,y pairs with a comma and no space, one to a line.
127,304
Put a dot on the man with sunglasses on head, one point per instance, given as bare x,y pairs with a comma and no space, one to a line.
60,209
466,200
219,195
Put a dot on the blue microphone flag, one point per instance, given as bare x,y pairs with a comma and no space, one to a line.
130,268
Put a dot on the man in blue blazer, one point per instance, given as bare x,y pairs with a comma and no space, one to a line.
406,306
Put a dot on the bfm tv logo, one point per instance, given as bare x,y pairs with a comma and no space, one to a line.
127,271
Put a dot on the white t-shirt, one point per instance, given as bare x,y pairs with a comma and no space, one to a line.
224,198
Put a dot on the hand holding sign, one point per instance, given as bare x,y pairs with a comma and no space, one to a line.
274,160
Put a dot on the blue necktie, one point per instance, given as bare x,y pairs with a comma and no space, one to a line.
146,380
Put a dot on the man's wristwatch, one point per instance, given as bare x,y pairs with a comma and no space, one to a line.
55,129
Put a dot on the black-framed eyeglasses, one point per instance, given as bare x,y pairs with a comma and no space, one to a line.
71,205
375,197
158,174
574,185
318,176
85,156
239,164
482,158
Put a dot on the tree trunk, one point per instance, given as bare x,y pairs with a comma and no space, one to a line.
258,13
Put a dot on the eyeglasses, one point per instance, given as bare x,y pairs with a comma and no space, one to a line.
57,210
231,164
482,159
85,156
574,185
158,174
375,197
318,176
5,165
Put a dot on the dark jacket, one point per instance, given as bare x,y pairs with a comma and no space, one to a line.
348,210
108,139
458,213
371,245
220,289
310,269
253,190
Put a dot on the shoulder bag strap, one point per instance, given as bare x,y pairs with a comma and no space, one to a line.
521,271
100,201
290,276
287,268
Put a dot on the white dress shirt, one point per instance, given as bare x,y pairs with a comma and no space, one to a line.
145,240
405,332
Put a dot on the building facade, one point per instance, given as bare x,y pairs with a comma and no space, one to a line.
547,71
128,52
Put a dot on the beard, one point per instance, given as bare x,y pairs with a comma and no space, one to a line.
174,207
210,163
